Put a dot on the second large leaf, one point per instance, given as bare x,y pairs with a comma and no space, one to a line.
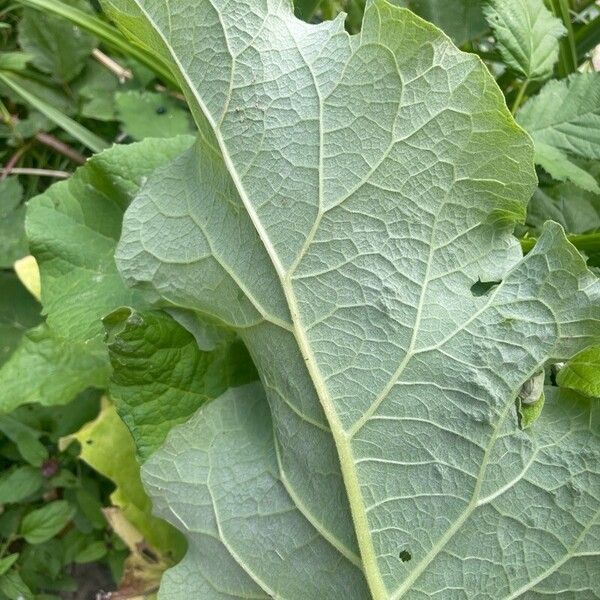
344,197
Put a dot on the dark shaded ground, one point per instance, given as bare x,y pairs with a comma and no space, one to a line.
93,580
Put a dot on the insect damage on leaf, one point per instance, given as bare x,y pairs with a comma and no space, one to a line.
530,400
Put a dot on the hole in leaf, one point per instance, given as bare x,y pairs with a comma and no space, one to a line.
481,288
405,556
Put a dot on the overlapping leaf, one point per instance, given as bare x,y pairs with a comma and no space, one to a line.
13,244
73,230
369,182
564,122
462,20
161,377
527,34
107,446
18,313
582,373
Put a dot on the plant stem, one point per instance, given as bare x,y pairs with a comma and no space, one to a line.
14,159
588,37
60,147
520,96
567,60
112,65
37,172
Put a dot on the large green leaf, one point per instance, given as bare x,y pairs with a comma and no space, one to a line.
50,370
18,312
160,376
344,197
527,34
13,243
73,230
564,121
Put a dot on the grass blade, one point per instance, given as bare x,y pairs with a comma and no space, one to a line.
78,131
567,61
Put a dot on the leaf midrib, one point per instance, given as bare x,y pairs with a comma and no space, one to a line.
341,439
343,447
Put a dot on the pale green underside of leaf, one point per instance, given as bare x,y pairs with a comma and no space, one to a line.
234,527
527,35
246,531
345,195
564,119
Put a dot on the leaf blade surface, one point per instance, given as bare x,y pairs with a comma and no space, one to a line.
372,180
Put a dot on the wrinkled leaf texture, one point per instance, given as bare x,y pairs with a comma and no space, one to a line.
344,196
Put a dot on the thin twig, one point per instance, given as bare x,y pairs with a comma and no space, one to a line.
60,147
112,65
161,88
13,160
30,171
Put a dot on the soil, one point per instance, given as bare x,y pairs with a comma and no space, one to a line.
94,581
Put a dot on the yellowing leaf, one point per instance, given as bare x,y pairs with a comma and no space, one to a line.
107,446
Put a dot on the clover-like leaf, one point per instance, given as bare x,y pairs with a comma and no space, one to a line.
344,197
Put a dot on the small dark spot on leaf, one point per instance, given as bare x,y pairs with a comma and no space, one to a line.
89,442
161,110
405,556
481,288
